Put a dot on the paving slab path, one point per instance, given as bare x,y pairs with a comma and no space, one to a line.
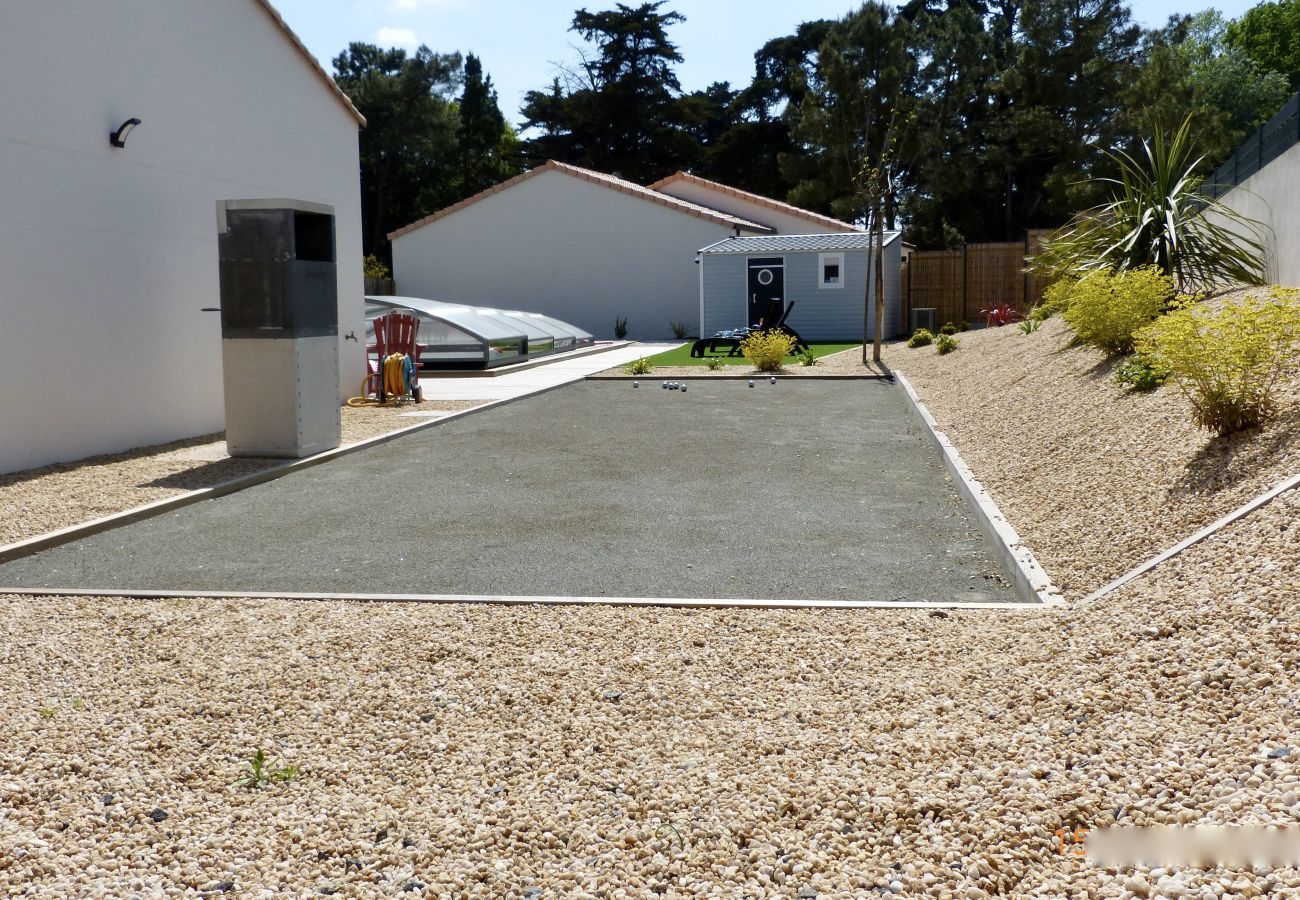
800,490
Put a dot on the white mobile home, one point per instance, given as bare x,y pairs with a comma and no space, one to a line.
746,281
108,235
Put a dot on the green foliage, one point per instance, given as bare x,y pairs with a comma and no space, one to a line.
639,366
1269,33
1228,361
1158,216
46,712
1040,313
856,109
263,772
619,111
408,147
1191,72
713,363
948,328
620,327
945,344
808,357
373,267
1029,325
487,147
1106,309
1143,373
767,349
1056,298
920,338
680,330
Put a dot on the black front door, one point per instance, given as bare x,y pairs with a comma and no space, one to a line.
766,289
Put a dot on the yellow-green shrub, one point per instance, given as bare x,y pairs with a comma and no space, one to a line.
1107,308
1229,360
1056,298
767,349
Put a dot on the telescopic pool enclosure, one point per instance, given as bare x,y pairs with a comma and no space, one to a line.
458,336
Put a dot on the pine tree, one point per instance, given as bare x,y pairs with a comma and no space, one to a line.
488,148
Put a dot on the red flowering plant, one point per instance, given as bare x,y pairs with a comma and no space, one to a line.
1000,314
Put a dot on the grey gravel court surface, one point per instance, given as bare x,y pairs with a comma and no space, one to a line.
803,490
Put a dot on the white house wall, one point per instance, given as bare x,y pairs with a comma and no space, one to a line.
562,246
820,314
1272,196
782,222
108,255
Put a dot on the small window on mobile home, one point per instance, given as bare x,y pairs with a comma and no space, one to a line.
831,267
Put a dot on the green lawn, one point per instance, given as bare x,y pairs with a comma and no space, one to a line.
682,356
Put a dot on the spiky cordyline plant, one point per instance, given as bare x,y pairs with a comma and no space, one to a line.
1159,216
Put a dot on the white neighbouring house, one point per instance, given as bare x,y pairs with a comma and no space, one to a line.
586,247
108,255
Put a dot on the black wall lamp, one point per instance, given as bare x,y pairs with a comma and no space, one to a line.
118,138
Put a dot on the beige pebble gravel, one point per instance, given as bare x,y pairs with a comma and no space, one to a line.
1095,477
486,751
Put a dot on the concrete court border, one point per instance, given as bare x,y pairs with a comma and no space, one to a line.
1006,542
1029,579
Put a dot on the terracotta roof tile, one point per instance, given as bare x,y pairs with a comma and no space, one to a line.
609,181
758,199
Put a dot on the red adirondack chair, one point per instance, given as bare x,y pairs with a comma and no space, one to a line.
394,333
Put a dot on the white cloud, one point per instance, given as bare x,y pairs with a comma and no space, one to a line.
397,37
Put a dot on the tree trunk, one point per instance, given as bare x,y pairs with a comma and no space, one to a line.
880,284
866,291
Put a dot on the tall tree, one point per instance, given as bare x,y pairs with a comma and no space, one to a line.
408,148
488,148
1191,74
852,123
1058,104
1270,34
620,109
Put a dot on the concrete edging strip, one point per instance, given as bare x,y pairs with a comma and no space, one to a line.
1030,580
1166,555
512,600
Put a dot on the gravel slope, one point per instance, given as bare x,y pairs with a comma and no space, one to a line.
487,752
37,501
1096,478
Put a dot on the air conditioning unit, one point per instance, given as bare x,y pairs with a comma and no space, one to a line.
925,317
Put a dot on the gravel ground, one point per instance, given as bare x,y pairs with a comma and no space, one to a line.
603,752
844,363
1096,478
38,501
606,752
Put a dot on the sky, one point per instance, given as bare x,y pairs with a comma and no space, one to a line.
522,41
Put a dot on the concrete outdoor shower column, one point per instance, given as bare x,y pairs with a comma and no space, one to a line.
279,327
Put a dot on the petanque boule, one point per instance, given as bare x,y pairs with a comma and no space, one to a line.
751,382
